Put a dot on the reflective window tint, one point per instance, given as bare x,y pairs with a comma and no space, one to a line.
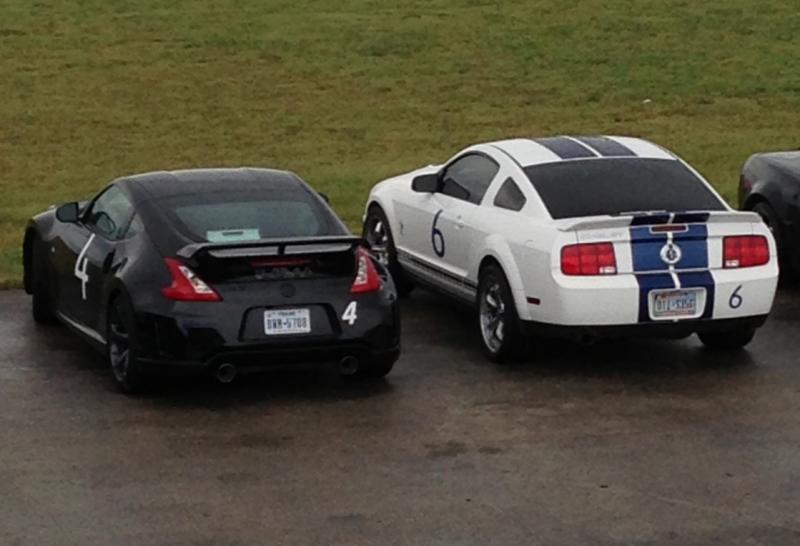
469,177
509,196
595,187
110,214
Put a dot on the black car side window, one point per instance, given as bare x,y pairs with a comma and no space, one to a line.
469,177
509,196
134,227
110,214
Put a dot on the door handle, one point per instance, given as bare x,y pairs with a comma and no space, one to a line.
459,222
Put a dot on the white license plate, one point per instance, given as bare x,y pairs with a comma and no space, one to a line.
287,321
675,303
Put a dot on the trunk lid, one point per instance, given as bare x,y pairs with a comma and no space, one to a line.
661,242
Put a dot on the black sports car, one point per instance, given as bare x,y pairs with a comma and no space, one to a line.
770,186
222,270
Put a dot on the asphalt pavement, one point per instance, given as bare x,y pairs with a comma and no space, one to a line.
638,442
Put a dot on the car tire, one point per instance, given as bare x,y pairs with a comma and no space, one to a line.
498,323
732,340
770,218
378,234
121,346
41,301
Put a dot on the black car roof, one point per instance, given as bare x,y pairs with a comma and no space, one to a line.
789,160
160,184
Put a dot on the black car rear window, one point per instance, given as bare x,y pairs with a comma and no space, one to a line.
595,187
250,215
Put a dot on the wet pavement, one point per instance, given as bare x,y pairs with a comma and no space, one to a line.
644,442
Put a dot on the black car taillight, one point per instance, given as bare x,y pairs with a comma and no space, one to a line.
186,284
367,278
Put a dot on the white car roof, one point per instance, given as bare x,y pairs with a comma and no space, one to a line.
535,151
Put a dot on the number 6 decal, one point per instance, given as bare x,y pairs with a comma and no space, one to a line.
736,300
437,238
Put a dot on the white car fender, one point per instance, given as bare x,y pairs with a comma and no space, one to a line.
497,247
386,192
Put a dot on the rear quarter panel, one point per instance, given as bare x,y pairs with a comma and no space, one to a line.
522,246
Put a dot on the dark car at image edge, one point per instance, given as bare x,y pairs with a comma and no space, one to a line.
770,185
214,270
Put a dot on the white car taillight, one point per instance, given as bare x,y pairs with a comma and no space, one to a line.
589,259
744,251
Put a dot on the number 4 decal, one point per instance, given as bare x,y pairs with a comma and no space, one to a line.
349,315
81,264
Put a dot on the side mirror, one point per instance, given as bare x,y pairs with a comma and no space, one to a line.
68,213
426,183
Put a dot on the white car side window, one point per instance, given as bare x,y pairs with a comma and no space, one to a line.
468,177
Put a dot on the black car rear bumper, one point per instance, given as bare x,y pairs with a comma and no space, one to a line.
264,358
204,341
668,330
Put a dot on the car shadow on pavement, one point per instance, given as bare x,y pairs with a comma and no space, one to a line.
633,358
60,352
318,385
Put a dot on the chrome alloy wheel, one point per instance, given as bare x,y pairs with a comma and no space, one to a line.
492,313
378,238
119,348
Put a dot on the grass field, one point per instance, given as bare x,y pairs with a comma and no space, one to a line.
349,92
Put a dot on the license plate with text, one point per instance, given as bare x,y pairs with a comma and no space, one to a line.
675,304
287,321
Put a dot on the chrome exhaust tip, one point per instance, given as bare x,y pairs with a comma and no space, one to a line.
226,373
348,365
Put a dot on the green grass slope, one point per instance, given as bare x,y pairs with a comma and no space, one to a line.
349,92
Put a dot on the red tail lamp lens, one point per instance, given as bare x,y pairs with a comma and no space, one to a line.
589,259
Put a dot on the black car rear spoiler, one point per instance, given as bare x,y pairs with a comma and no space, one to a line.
273,247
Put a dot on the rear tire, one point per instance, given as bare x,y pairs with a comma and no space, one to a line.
498,323
378,234
732,340
122,347
790,263
770,217
41,301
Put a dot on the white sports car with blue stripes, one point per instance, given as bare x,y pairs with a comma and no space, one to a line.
579,237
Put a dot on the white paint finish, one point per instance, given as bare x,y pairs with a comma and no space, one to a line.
643,148
527,152
758,285
527,244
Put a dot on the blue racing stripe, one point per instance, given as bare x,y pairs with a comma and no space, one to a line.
694,247
701,279
650,219
646,284
646,249
690,217
565,148
607,147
